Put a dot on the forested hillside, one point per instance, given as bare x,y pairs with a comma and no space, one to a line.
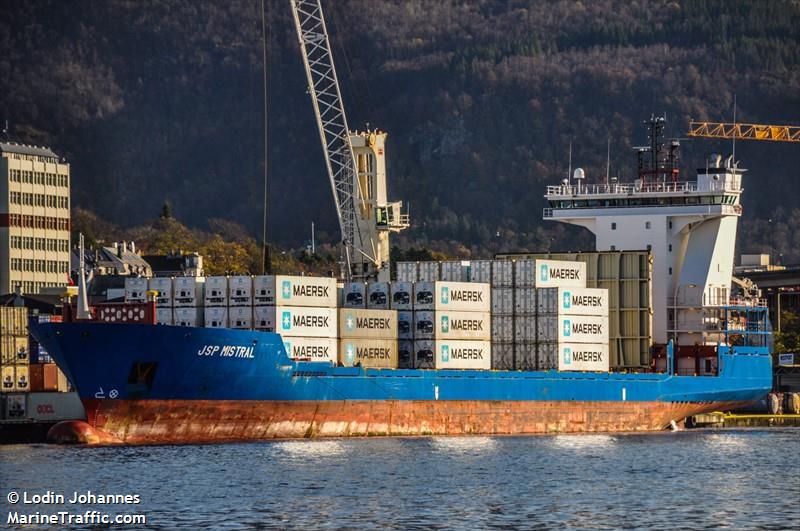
161,100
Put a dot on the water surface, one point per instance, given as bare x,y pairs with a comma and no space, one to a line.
692,479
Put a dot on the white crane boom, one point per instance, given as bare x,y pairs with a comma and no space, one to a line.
323,87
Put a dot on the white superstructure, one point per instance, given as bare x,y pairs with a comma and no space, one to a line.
688,226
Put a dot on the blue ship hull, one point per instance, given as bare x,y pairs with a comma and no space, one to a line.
125,372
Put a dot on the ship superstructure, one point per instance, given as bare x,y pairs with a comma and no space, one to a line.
688,226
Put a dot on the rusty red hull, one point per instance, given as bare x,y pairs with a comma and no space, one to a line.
197,421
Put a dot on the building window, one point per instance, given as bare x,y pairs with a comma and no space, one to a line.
649,247
670,224
670,247
646,224
613,247
670,270
613,226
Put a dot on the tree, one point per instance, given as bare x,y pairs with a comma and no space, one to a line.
225,257
788,339
166,211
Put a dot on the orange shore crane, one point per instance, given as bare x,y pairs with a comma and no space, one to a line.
774,133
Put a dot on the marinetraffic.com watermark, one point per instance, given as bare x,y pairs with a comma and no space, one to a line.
51,508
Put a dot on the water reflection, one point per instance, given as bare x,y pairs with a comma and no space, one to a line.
583,442
464,445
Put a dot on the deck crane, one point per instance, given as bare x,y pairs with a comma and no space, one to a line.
774,133
355,161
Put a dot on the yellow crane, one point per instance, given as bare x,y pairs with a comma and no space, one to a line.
774,133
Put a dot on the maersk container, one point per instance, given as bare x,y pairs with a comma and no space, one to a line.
559,273
573,328
163,288
502,301
480,271
216,317
406,271
216,291
572,301
284,290
402,296
525,356
428,271
356,323
502,356
503,274
455,271
591,357
547,356
525,328
378,296
262,316
263,290
525,301
298,321
240,290
354,295
188,291
135,289
164,316
374,353
193,317
405,325
452,296
502,328
405,354
453,354
424,354
311,348
240,317
525,273
549,273
452,325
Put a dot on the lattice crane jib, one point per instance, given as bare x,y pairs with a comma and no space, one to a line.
323,87
773,133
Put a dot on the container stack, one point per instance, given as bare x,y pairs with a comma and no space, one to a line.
572,329
215,302
301,309
36,352
368,338
14,354
401,299
240,302
43,374
452,325
165,306
188,299
501,275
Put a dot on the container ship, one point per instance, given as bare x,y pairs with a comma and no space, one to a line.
637,335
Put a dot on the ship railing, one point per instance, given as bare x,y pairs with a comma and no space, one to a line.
639,188
140,313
